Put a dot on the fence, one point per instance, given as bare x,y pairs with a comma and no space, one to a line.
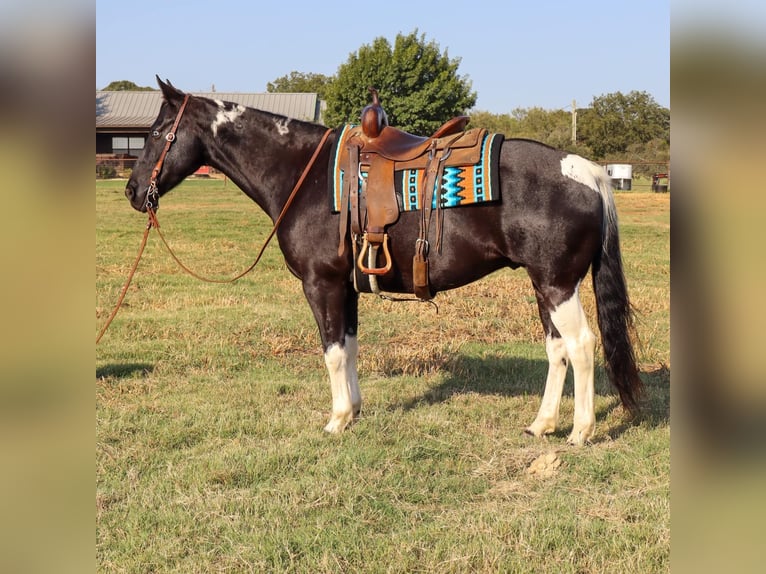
114,165
647,176
110,165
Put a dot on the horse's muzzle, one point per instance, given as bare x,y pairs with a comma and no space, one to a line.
139,200
130,193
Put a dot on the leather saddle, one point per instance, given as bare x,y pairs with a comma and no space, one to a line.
370,155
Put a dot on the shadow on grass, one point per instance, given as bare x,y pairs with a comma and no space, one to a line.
509,376
656,399
121,371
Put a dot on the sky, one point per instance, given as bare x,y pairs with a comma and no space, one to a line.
517,54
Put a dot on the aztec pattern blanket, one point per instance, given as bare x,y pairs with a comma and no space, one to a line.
460,186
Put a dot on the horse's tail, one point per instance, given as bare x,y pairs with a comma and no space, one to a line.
615,315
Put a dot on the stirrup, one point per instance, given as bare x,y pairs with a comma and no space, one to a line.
374,270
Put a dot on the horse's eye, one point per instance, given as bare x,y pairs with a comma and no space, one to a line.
155,134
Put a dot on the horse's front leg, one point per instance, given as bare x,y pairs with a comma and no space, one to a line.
340,358
334,305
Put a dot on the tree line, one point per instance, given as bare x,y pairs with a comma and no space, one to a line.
421,88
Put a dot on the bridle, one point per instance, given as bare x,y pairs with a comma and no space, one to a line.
152,203
152,200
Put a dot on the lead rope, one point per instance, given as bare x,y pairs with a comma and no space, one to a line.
154,223
127,283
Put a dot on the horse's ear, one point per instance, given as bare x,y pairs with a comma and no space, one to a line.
169,92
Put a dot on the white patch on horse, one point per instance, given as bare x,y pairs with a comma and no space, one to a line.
595,177
352,374
226,115
339,361
582,171
548,415
282,126
570,321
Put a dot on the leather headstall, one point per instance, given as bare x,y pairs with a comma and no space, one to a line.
152,201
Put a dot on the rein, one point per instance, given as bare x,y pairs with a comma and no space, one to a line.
153,222
288,203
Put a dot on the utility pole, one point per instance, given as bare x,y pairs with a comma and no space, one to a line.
574,122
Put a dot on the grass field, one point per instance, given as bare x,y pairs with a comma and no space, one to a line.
211,401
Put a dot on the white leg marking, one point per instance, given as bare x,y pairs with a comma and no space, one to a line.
337,360
548,415
352,352
226,115
571,322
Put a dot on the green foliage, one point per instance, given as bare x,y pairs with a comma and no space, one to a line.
630,128
656,151
418,84
105,171
300,82
616,121
550,127
127,86
497,123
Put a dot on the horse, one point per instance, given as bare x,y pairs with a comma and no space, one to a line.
556,218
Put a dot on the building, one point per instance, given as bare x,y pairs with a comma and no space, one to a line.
123,118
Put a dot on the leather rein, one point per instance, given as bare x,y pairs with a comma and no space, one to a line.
151,203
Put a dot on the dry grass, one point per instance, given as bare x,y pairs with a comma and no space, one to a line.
211,400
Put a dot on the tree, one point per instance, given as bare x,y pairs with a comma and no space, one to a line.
496,123
419,85
616,121
299,82
126,86
552,127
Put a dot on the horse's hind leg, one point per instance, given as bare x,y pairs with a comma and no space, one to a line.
570,320
548,415
568,336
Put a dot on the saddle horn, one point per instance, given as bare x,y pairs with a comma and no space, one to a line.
374,117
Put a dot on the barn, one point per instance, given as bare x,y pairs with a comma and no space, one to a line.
123,118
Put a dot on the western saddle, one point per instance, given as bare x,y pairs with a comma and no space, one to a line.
370,155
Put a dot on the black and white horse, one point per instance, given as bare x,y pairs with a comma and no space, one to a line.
556,219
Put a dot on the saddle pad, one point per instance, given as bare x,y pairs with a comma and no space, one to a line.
460,186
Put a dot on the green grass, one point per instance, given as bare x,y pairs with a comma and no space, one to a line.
211,401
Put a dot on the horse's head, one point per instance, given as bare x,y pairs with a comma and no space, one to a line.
171,152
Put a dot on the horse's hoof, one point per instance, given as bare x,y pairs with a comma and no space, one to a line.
539,430
338,423
580,438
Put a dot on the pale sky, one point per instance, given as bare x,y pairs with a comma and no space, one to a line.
517,54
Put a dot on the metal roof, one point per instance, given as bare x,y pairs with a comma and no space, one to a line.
134,109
